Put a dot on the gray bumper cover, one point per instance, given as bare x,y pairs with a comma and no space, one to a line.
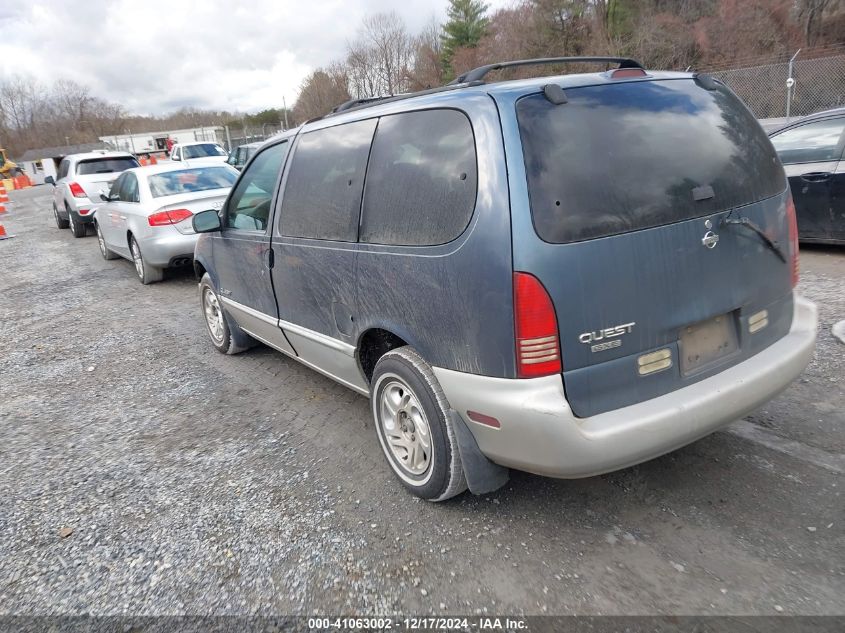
540,434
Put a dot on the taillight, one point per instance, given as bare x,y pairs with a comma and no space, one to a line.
77,191
792,220
163,218
537,346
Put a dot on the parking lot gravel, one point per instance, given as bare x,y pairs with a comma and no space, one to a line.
143,473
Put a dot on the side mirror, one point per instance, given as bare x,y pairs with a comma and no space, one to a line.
50,180
174,157
206,221
104,196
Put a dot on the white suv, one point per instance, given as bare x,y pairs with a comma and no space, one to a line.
199,152
80,180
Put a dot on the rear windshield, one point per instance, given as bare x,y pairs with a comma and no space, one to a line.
105,165
622,157
172,183
203,150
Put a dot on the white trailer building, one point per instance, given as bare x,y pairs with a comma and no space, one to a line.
154,141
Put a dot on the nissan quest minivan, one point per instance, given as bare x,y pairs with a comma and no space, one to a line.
566,275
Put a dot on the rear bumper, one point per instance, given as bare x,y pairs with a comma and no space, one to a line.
83,208
540,434
161,250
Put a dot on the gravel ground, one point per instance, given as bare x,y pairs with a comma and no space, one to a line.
143,473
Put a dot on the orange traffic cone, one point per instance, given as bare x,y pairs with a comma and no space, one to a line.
3,234
3,195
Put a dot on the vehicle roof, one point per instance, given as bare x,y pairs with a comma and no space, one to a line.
199,143
99,154
810,117
513,88
161,168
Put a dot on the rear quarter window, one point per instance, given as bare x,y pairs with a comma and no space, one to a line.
629,156
322,198
421,180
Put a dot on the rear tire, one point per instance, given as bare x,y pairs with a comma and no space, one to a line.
146,273
411,416
104,250
76,226
60,222
224,333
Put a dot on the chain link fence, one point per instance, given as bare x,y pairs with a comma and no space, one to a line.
242,135
818,84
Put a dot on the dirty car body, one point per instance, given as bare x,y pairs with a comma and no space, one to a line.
582,282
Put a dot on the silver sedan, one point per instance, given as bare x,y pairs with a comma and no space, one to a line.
146,215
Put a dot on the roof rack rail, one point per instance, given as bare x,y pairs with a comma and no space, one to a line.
346,105
366,102
478,74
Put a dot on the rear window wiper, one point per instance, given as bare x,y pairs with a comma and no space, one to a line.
742,221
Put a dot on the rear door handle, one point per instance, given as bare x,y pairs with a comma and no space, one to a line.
815,176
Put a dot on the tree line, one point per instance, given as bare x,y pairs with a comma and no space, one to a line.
33,115
385,57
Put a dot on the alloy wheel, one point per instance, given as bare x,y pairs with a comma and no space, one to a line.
136,258
405,428
101,241
213,314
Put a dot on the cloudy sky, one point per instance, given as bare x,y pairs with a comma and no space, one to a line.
154,56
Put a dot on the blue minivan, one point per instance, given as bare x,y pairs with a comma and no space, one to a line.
564,275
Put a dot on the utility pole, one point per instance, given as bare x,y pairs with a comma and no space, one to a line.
228,139
790,83
285,106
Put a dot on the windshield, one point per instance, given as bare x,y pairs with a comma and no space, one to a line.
172,183
203,150
105,165
635,155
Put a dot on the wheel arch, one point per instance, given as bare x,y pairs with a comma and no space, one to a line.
373,343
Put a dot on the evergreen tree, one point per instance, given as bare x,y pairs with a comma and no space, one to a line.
466,25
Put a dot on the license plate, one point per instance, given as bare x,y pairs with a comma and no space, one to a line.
707,342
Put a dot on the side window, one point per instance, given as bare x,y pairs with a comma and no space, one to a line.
811,143
63,169
249,205
322,198
114,192
129,189
177,154
422,179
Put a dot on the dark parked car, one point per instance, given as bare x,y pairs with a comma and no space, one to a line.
566,275
240,155
811,150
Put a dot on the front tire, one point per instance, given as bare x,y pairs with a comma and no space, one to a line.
411,417
76,226
60,222
224,333
104,250
146,273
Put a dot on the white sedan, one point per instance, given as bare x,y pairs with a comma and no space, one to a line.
146,215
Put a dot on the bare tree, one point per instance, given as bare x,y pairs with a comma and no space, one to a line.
379,62
321,91
427,70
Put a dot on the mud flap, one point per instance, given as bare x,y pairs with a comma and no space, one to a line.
482,475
